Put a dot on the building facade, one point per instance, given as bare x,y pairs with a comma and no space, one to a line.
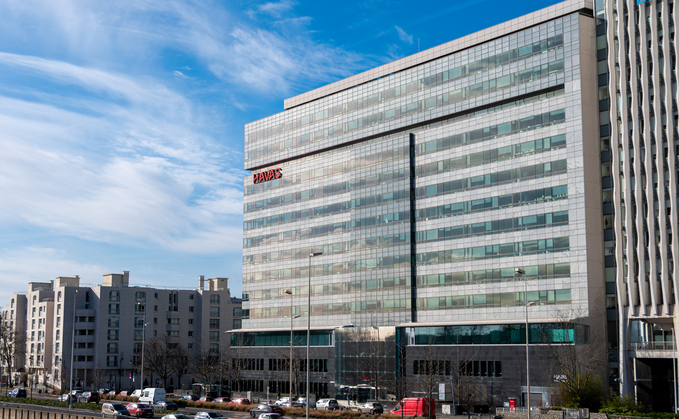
105,327
402,202
637,79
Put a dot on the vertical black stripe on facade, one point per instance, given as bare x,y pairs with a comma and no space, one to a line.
413,244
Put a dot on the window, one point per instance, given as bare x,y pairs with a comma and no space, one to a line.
139,335
111,361
33,312
57,347
214,299
214,348
214,323
58,309
113,334
155,308
114,322
173,334
114,309
139,309
58,336
189,346
87,296
237,323
190,309
139,296
114,295
214,311
112,348
190,321
214,336
172,321
155,296
138,322
58,321
237,312
190,333
190,296
138,348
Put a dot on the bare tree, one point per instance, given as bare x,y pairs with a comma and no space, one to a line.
158,357
238,356
375,357
430,370
577,356
12,346
99,376
202,364
179,361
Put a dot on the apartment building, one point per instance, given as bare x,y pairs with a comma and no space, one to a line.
104,328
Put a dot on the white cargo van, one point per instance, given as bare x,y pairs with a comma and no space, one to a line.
152,395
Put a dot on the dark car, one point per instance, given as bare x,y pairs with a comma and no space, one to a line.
113,410
166,405
89,397
140,410
374,408
17,392
265,408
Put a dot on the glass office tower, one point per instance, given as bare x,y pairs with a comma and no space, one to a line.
410,195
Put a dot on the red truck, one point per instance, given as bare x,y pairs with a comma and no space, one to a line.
415,406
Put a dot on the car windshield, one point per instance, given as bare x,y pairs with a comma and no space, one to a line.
214,414
118,406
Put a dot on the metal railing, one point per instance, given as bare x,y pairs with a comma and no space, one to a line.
652,346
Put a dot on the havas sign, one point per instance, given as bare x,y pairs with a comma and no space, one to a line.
267,175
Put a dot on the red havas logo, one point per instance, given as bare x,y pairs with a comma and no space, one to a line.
267,175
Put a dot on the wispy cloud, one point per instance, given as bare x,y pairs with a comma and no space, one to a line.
403,36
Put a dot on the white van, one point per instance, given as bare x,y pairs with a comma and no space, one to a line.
152,395
136,393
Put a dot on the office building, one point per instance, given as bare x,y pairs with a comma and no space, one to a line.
106,326
410,195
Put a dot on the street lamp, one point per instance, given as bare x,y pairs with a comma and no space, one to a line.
289,292
143,341
521,272
70,394
308,334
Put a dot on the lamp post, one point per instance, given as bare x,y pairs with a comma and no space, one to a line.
292,317
521,272
143,341
308,333
70,394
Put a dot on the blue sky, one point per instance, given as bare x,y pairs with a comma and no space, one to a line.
121,122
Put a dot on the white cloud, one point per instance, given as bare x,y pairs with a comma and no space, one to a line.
403,36
34,264
156,179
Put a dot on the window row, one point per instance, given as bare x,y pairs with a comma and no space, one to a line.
447,210
333,309
551,270
505,299
464,368
500,334
529,247
330,289
445,99
504,58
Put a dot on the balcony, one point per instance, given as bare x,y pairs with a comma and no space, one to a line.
662,349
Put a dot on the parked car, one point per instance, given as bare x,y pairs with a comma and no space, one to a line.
17,392
265,408
191,397
175,416
282,401
140,410
270,416
204,399
89,397
222,400
327,404
239,401
113,410
66,396
166,405
301,402
208,415
123,393
374,408
103,391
